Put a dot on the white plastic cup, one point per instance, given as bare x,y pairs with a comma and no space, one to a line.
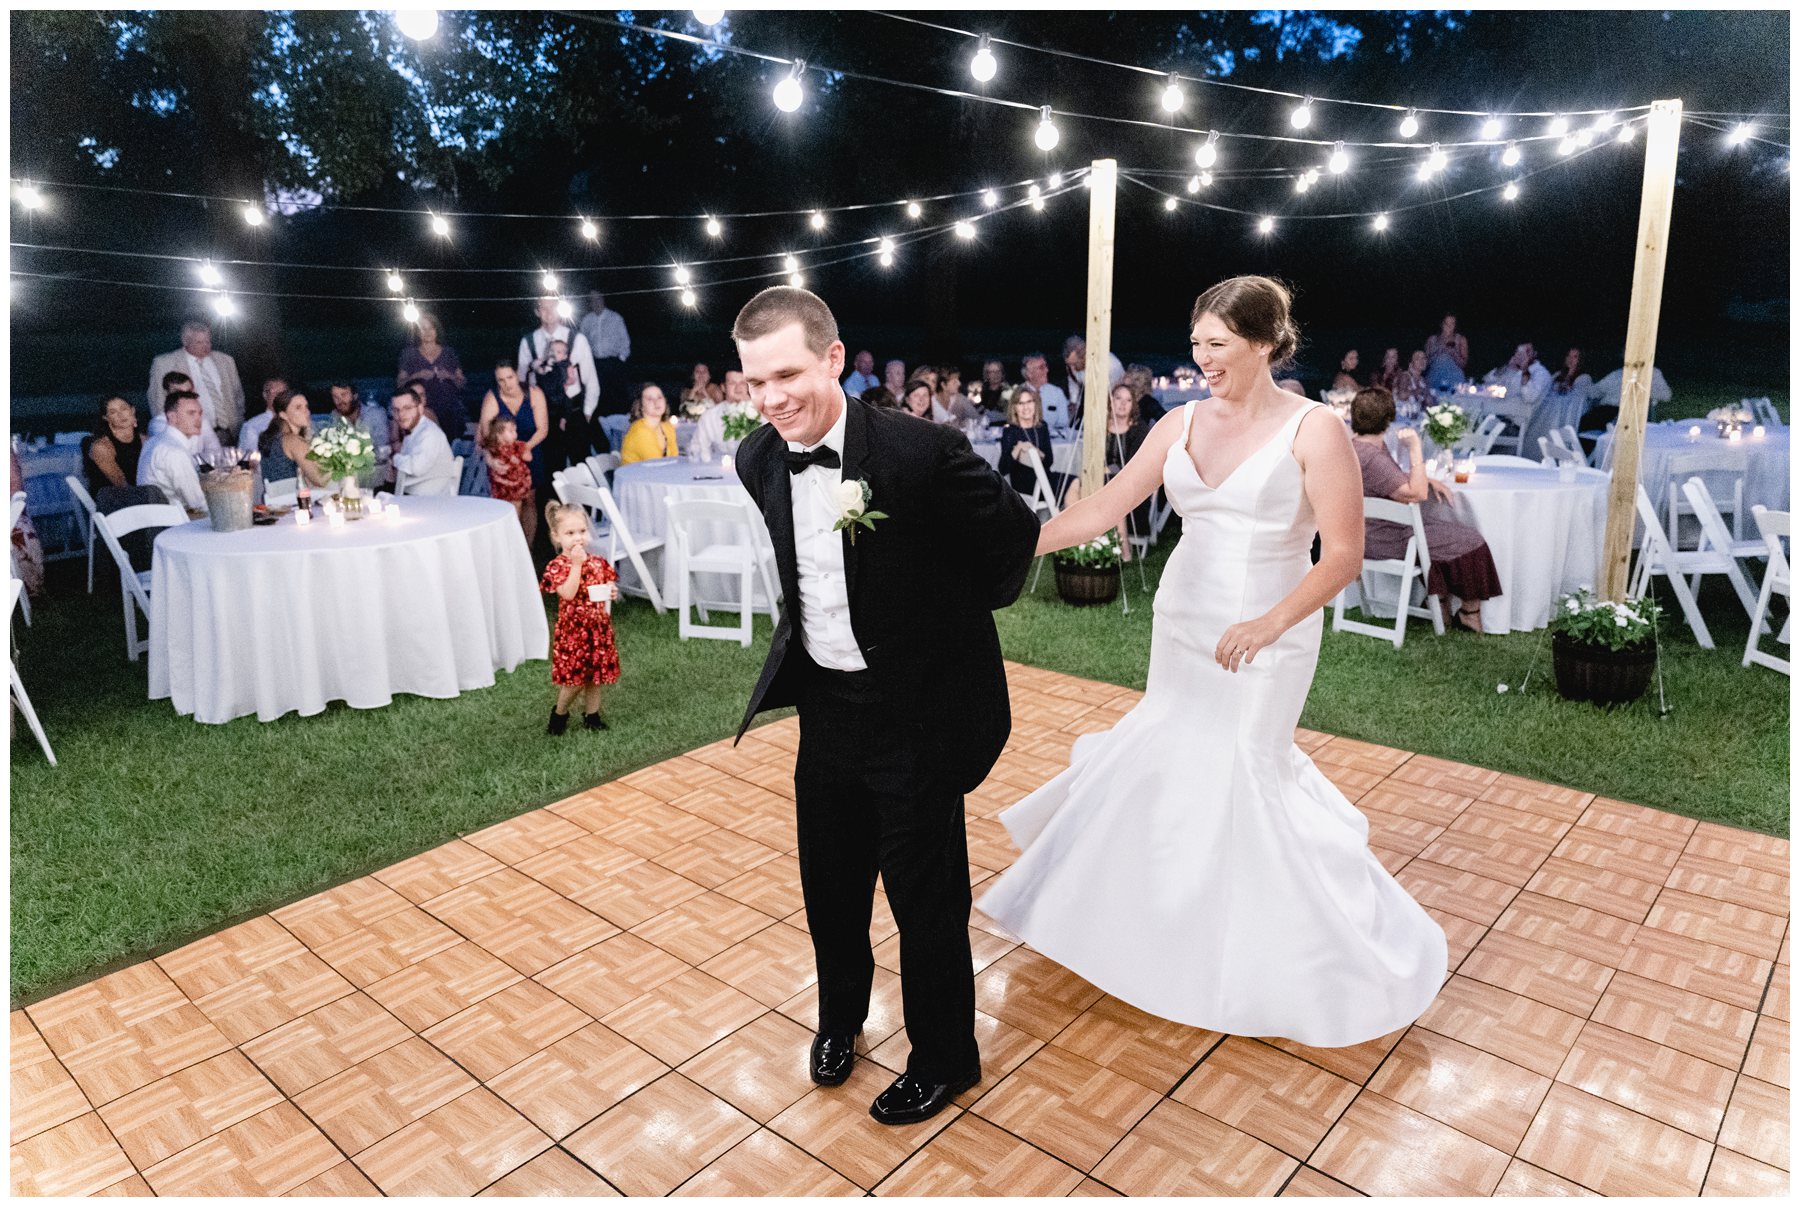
601,593
302,517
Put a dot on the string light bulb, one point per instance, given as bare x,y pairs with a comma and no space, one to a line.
1381,222
1301,117
1740,134
417,23
1511,156
394,283
1047,134
990,198
914,209
1207,154
1302,183
790,263
714,227
1055,180
1340,160
688,299
1585,137
1033,192
788,93
709,16
1265,225
1173,98
1037,203
440,226
549,279
1409,125
796,280
1626,132
817,220
1559,125
1206,179
28,196
886,246
983,65
965,229
210,275
409,312
1169,204
1511,192
225,306
682,275
1603,123
563,309
1193,184
253,215
1567,145
1490,129
1434,163
589,231
887,259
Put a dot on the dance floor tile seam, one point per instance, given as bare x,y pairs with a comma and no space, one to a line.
612,995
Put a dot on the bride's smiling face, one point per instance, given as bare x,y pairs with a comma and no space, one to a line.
1231,364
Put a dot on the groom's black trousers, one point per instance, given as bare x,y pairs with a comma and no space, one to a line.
868,800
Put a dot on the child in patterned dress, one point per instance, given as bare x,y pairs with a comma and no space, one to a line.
509,475
582,655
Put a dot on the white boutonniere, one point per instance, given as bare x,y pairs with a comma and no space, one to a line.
853,499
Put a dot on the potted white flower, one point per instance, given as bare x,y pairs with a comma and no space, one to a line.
1603,651
1088,573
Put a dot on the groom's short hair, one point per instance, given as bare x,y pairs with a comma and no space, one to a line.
779,305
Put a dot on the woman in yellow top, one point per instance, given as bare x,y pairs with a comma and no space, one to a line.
651,434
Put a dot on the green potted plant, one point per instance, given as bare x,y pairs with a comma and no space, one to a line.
1601,650
1088,573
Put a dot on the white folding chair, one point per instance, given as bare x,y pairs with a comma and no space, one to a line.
1486,432
1514,414
18,509
1555,454
283,492
614,534
18,685
134,585
1722,469
1409,568
1714,535
88,508
1497,459
1765,412
1571,439
601,464
1774,526
743,556
1684,568
615,427
1042,501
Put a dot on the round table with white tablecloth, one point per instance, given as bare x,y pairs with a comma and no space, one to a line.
430,601
642,490
1545,535
1764,460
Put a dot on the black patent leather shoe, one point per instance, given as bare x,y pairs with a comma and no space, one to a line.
910,1100
833,1056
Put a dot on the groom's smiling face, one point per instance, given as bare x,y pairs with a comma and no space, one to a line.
794,387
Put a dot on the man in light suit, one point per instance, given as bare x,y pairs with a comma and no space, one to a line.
215,377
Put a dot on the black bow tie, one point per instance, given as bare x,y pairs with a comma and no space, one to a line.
800,462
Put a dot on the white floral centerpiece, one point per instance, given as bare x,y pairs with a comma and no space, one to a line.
343,451
1446,423
1731,418
694,407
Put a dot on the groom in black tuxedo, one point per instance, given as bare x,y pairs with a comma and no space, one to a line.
887,646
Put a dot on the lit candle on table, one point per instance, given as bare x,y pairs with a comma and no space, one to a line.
1694,432
1757,431
391,511
1734,435
302,517
725,462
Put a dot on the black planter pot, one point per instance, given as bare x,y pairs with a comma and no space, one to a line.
1590,672
1085,586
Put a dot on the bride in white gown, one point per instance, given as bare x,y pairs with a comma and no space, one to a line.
1192,861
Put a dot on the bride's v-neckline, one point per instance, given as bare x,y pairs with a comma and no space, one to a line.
1187,451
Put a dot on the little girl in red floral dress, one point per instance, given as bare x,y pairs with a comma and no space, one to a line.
509,475
582,656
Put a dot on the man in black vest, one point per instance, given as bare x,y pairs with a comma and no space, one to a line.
894,543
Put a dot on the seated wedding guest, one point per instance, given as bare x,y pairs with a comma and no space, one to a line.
651,434
893,376
27,550
1522,376
110,456
1605,394
949,404
1346,372
424,456
995,391
250,435
214,376
1461,564
1025,431
1389,372
348,408
917,401
1053,404
167,461
209,439
1446,356
701,392
1125,433
1410,386
929,375
878,396
1075,363
862,376
435,366
1143,385
286,440
709,432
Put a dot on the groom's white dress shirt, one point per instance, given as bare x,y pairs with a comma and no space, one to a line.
819,558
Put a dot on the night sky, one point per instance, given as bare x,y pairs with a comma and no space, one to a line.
695,135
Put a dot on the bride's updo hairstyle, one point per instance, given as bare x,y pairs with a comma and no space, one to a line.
1259,309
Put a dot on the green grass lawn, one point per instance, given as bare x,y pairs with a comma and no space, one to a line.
155,829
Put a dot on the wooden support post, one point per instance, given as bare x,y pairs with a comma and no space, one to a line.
1660,148
1097,378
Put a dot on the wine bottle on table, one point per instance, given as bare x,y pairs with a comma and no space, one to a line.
303,495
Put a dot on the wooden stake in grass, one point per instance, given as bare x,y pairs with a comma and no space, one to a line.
1660,149
1102,208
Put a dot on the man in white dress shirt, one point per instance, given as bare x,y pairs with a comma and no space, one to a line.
1075,360
215,378
168,462
1522,376
1051,400
250,435
209,446
709,431
424,457
863,376
610,344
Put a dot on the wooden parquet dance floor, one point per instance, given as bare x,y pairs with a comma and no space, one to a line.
612,995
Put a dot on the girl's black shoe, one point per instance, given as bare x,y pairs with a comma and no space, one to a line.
592,721
559,722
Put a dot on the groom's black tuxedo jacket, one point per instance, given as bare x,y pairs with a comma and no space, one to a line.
956,544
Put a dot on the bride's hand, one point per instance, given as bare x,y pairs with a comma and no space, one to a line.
1242,641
